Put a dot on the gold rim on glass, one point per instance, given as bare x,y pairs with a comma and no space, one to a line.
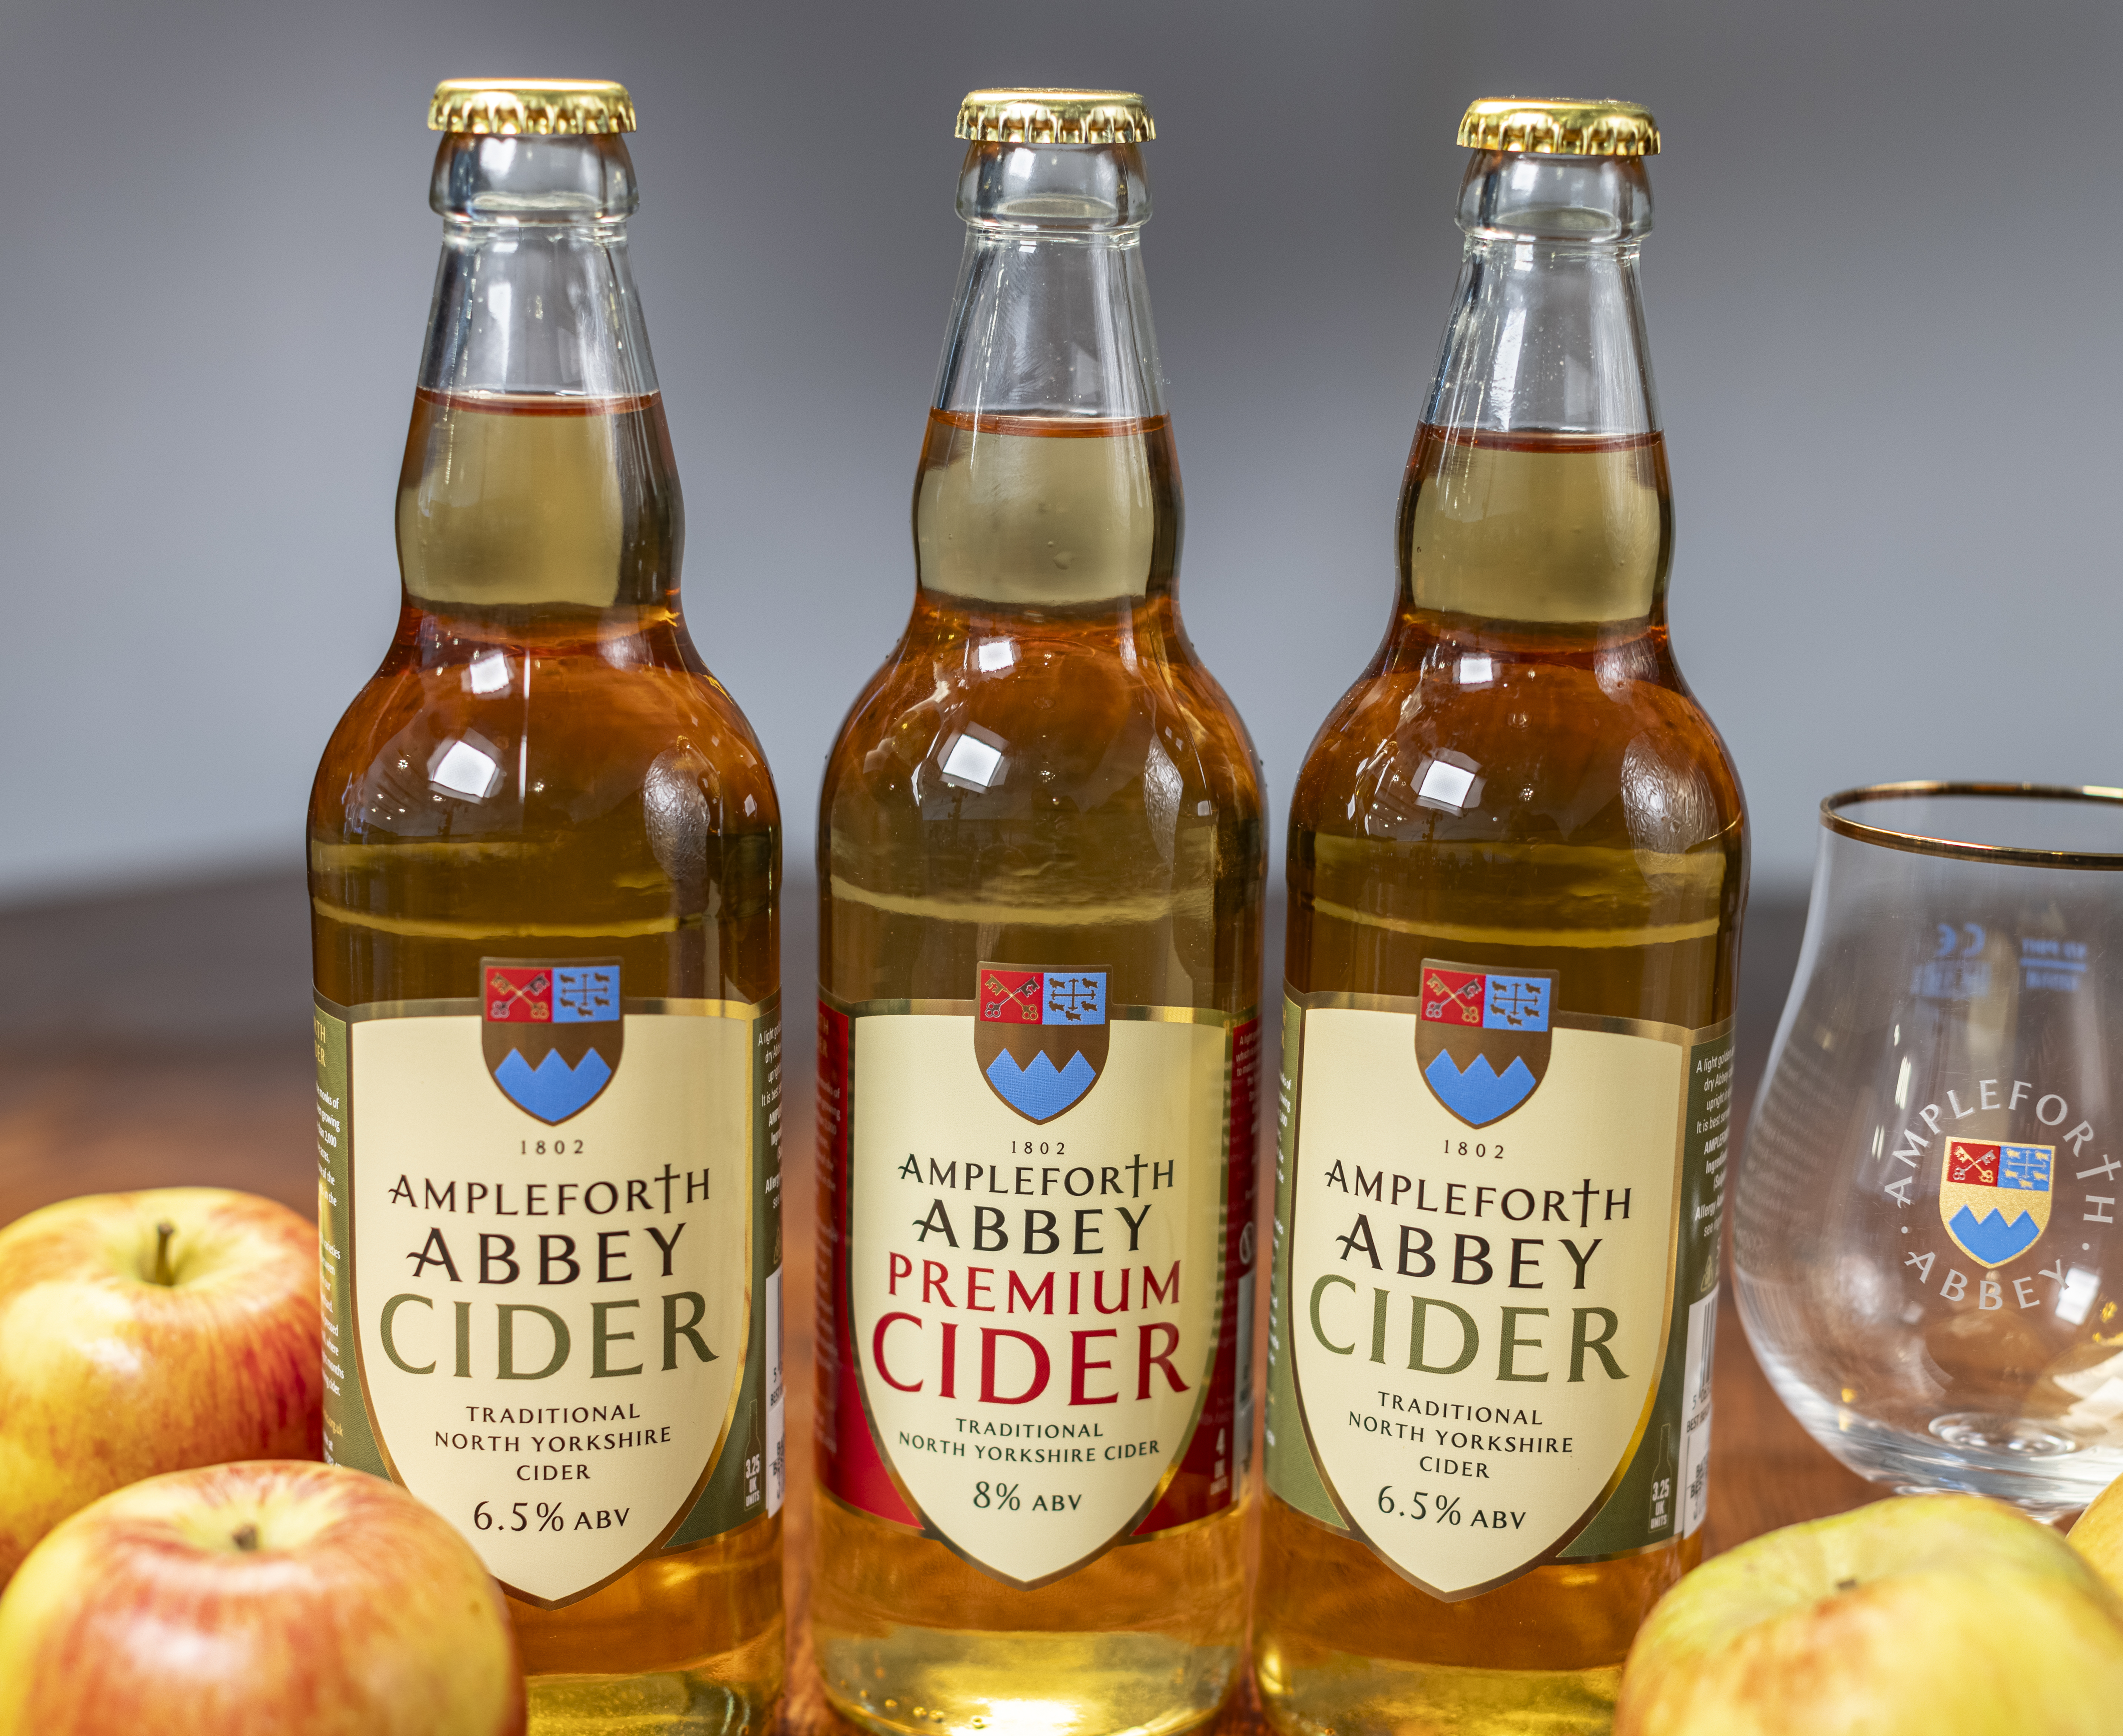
2017,856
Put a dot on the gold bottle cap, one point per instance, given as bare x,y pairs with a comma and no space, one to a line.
1055,117
531,105
1559,128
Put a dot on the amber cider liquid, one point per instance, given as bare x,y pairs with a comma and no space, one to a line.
1127,836
539,540
1605,843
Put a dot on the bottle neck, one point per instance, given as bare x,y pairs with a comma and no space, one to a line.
538,472
1047,479
1537,496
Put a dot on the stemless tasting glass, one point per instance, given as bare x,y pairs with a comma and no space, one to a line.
1924,1232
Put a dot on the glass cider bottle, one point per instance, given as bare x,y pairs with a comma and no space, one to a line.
544,861
1517,873
1040,859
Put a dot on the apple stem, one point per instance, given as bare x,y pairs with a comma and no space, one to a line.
246,1537
163,1273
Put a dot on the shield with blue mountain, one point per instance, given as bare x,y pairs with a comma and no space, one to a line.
1039,1035
1995,1197
1482,1037
551,1031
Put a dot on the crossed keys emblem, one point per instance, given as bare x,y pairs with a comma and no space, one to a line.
504,996
1463,999
1021,998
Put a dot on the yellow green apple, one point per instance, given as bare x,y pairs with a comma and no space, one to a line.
1935,1615
2097,1535
261,1599
141,1333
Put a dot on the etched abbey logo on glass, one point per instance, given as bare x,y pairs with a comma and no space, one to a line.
552,1032
1482,1038
1995,1197
1040,1037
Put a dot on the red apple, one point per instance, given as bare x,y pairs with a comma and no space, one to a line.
275,1599
141,1333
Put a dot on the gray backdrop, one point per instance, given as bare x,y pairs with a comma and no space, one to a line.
1882,302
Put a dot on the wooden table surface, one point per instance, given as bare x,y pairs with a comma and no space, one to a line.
163,1038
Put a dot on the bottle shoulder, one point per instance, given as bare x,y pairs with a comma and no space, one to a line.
482,737
1573,813
1080,773
1606,747
1075,714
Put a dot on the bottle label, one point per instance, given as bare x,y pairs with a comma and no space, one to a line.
1496,1271
1036,1283
551,1238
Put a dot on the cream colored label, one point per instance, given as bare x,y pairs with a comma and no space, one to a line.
1477,1316
552,1318
1035,1306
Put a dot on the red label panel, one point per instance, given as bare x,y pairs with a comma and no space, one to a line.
1207,1480
847,1456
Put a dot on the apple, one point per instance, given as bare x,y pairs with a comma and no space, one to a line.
141,1333
273,1599
2097,1535
1936,1615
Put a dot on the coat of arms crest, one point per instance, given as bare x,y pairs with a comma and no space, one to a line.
1482,1037
1040,1036
551,1032
1994,1197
